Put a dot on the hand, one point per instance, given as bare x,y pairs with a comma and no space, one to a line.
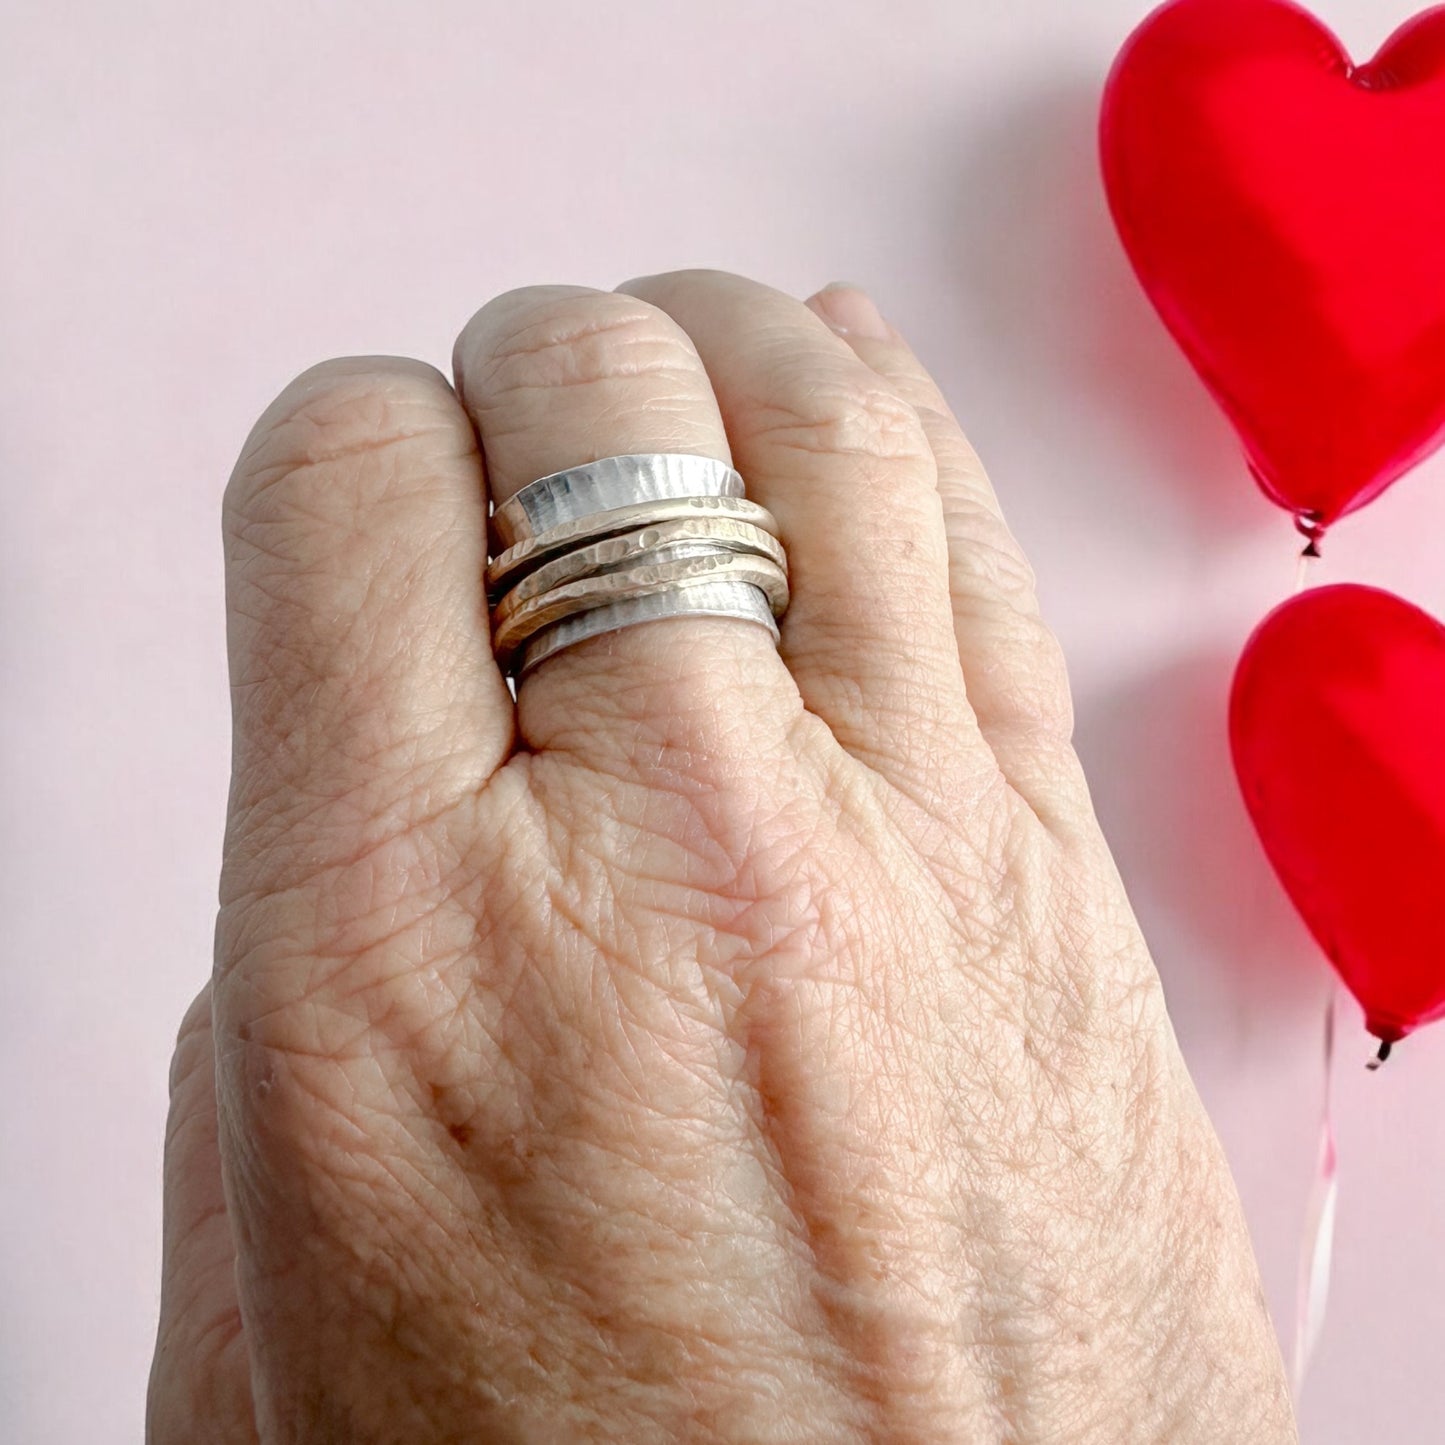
722,1044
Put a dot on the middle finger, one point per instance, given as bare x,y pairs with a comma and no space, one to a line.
842,460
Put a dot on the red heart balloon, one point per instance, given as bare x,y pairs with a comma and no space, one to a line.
1285,212
1337,722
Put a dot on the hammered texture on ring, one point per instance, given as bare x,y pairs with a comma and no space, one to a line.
596,591
606,483
710,599
625,540
662,542
517,559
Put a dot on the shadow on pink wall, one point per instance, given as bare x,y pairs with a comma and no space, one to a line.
1045,280
1051,299
1236,960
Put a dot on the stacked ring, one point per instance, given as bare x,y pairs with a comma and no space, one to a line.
625,540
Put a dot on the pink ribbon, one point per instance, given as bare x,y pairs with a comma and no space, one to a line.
1317,1243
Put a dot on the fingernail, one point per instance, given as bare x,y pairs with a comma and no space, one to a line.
850,311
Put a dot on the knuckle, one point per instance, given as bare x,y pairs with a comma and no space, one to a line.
193,1042
364,415
983,552
1011,632
849,415
1030,708
582,340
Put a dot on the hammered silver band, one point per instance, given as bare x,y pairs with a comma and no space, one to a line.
625,540
714,599
605,484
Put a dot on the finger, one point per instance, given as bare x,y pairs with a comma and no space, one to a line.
1012,664
200,1386
556,376
361,670
842,461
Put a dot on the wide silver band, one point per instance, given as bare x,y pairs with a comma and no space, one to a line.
711,599
607,483
624,540
648,578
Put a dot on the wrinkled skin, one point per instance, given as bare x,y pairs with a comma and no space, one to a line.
723,1044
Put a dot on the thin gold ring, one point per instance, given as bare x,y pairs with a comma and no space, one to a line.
661,542
533,551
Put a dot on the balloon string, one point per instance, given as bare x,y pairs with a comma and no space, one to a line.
1317,1242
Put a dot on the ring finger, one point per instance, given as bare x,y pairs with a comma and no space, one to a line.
557,376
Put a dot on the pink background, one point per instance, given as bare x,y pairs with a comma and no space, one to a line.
198,201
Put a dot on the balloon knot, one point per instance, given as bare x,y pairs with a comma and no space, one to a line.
1310,526
1384,1053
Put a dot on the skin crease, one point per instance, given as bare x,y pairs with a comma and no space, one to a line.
723,1044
